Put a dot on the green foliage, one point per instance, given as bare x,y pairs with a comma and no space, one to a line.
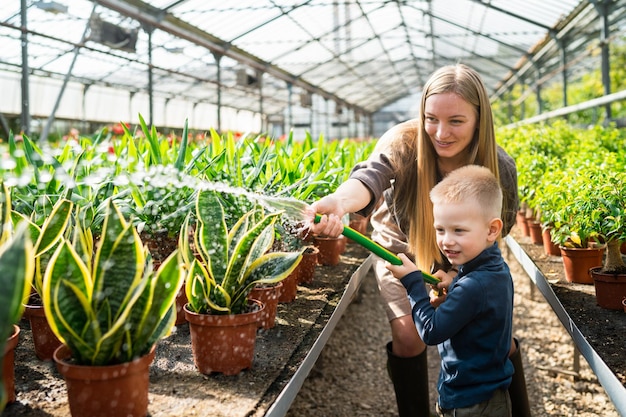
16,273
110,307
227,264
575,180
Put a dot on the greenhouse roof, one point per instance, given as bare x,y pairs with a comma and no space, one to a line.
359,54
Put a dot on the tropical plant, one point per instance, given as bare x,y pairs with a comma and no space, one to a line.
602,209
109,307
227,264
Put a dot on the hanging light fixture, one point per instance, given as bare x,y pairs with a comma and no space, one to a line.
51,6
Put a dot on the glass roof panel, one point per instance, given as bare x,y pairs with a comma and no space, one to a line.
361,53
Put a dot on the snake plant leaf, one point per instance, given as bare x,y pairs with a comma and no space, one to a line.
184,248
198,286
120,283
268,269
16,271
239,229
213,233
48,236
67,292
250,244
155,303
118,262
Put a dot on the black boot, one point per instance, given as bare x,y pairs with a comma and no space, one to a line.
517,389
410,382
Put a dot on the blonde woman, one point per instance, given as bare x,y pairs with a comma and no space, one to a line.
454,128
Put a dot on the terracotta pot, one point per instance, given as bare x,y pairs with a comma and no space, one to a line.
610,289
578,261
104,391
534,231
343,244
223,343
44,339
358,223
268,295
549,246
306,267
622,248
520,220
330,250
181,300
290,287
8,365
624,304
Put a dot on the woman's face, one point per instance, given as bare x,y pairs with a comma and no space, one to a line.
450,122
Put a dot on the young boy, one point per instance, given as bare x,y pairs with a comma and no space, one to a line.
472,328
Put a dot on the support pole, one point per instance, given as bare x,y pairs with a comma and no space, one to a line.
25,116
149,30
603,10
218,66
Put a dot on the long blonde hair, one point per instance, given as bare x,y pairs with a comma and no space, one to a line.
415,158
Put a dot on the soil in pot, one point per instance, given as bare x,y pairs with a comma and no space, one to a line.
8,365
224,343
610,288
104,391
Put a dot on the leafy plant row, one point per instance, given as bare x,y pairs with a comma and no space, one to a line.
153,179
572,180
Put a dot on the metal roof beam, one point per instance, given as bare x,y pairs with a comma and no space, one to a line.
147,14
514,15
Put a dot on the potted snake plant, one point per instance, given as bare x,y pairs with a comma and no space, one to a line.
220,273
16,273
109,308
45,238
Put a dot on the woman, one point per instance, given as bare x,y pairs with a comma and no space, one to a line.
454,128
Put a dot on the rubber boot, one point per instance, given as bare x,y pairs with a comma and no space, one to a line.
410,382
517,389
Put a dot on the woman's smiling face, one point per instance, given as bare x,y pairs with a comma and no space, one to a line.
450,122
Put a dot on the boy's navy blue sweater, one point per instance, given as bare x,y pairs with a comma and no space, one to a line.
472,329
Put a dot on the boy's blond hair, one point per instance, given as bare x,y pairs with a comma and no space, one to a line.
470,182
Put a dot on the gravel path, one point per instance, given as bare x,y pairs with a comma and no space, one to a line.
350,377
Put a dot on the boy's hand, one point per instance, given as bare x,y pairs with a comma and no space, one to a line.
400,271
439,292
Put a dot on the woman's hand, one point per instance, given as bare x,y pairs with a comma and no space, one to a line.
331,212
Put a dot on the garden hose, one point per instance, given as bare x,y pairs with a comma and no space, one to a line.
377,249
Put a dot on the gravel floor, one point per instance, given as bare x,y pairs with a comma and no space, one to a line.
350,376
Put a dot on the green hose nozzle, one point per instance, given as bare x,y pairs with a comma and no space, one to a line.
379,250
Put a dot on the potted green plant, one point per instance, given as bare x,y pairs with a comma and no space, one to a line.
604,203
109,308
16,274
220,273
572,231
46,238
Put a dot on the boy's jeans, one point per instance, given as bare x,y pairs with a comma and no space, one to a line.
499,405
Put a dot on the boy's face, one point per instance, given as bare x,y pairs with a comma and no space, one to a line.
463,232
